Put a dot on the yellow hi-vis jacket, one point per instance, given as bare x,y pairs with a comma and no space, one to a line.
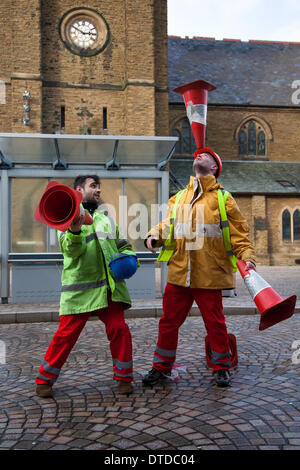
86,276
200,258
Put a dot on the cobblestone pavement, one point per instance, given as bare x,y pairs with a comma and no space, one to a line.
261,410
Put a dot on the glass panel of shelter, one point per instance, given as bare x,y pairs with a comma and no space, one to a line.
31,236
142,204
28,235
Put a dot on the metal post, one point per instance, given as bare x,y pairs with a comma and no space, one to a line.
4,236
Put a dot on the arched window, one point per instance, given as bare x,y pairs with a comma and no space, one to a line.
286,225
296,224
252,140
291,226
186,144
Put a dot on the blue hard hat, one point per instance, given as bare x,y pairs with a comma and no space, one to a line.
123,266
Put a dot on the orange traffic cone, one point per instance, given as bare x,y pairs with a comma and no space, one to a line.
60,206
272,307
195,99
195,96
233,349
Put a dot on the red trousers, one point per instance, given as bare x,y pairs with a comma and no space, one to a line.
177,303
69,329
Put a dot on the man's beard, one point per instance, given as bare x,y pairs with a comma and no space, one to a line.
93,200
201,168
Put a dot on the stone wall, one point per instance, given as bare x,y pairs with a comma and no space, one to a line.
128,80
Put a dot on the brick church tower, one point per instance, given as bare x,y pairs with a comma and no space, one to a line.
75,67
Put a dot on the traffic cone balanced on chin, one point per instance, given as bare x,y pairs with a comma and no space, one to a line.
272,307
60,206
195,95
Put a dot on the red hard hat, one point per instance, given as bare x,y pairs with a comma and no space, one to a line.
214,155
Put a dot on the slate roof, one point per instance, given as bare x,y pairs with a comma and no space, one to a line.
244,177
253,73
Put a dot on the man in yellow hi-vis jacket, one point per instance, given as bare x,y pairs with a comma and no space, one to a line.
88,286
199,267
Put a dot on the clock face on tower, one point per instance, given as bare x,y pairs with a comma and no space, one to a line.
84,31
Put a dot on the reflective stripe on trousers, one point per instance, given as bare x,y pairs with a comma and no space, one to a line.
123,369
164,357
69,329
177,303
47,373
221,359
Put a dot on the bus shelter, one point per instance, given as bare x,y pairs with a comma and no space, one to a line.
134,191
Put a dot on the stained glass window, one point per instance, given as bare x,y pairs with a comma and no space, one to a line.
296,224
186,137
186,144
251,140
261,143
242,143
286,225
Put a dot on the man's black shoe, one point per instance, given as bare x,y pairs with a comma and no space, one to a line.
222,378
153,377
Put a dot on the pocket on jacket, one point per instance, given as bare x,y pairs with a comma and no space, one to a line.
218,253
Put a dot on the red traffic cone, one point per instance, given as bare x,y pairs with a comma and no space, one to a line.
272,307
195,99
60,206
233,349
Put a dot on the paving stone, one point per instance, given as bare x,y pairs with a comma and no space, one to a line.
259,411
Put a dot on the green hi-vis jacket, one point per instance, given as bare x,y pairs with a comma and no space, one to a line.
86,276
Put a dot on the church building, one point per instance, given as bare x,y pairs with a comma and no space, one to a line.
109,68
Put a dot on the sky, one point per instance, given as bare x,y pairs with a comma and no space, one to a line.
269,20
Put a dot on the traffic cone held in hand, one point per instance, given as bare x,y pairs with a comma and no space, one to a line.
60,206
272,307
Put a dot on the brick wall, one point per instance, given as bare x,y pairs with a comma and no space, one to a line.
129,77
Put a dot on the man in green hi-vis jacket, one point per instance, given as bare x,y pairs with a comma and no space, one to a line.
88,286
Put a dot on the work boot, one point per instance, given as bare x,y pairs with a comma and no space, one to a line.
153,377
222,378
44,390
124,388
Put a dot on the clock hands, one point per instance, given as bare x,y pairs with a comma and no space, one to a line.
82,32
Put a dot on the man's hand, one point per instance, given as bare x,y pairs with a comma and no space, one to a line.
250,265
76,226
149,244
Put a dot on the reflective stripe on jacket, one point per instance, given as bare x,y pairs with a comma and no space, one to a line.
86,277
200,259
170,244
